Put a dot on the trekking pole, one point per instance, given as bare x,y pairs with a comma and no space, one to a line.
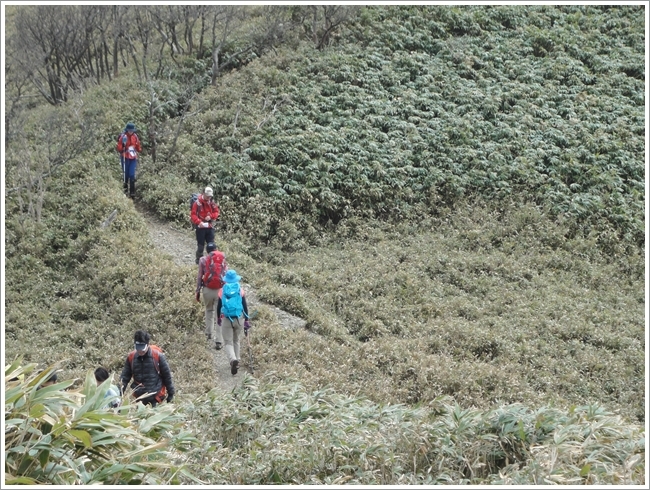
248,344
123,168
250,352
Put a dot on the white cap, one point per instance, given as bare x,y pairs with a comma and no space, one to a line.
208,191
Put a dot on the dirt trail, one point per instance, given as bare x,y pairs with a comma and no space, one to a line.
180,244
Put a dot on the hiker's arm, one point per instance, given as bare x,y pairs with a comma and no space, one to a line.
199,277
166,375
125,377
218,312
245,305
194,216
215,212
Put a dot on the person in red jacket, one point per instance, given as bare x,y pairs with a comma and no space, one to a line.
205,213
128,146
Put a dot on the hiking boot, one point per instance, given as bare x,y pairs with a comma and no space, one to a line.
234,365
217,345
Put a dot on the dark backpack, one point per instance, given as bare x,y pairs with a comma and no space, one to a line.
231,303
193,199
214,269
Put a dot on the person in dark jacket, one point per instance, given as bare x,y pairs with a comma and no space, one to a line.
149,370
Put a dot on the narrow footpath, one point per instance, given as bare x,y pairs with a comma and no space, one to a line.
180,245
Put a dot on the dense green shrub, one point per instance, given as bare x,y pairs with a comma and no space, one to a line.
432,104
451,198
55,435
274,431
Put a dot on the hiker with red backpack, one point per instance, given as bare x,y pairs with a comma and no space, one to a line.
204,215
233,315
148,367
211,268
128,146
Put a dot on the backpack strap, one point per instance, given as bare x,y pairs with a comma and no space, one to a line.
130,358
155,353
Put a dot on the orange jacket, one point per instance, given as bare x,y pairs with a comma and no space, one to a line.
132,147
203,210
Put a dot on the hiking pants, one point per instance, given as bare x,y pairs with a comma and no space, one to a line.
210,298
128,173
232,330
203,236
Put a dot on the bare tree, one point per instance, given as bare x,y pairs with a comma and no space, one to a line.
320,22
223,20
58,47
33,158
166,19
118,13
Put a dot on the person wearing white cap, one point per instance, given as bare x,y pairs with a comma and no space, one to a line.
205,213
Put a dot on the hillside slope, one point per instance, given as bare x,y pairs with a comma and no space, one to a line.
448,202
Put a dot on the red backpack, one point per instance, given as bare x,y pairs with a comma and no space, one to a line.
214,269
155,353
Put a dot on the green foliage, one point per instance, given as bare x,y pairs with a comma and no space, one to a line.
489,307
452,199
274,431
54,435
432,104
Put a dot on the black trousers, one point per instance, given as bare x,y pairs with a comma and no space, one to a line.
203,236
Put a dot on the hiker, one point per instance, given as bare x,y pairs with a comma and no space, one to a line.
150,372
205,213
211,268
49,382
113,393
128,146
232,310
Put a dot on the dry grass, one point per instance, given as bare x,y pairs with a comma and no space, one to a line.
486,308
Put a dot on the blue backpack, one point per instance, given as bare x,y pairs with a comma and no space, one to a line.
231,304
193,199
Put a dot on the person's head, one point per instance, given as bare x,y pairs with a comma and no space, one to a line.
208,193
101,375
130,127
50,381
231,277
141,339
211,247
